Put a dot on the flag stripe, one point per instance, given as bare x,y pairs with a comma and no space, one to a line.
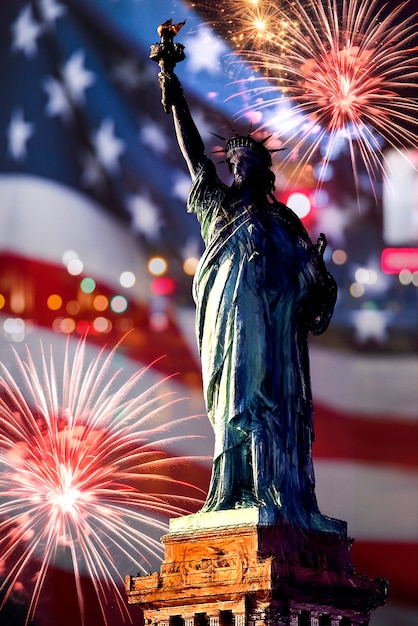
377,386
341,435
378,502
398,562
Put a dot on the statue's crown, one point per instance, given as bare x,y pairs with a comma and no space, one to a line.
243,142
247,141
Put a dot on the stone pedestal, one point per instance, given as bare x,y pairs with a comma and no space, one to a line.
226,568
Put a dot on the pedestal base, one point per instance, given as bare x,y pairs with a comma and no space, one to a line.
227,568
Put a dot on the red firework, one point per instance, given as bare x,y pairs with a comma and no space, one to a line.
85,473
331,71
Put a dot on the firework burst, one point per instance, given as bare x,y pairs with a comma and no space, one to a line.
85,470
339,69
249,26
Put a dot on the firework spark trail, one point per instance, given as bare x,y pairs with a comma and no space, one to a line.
84,467
343,66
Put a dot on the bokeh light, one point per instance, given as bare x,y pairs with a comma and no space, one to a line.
88,285
163,286
157,266
127,279
72,307
54,302
102,325
405,277
357,290
100,302
299,203
67,325
75,267
119,304
14,328
339,256
190,266
365,276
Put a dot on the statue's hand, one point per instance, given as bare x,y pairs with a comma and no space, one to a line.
316,260
321,244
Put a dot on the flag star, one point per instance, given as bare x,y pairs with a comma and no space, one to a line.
58,103
51,10
181,186
25,32
127,73
18,133
370,325
153,136
204,52
77,77
191,249
145,217
93,176
108,147
334,221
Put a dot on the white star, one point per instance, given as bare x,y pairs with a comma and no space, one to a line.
332,220
51,10
145,217
181,187
76,77
25,32
127,73
370,325
205,51
152,136
191,249
108,146
92,176
58,103
18,133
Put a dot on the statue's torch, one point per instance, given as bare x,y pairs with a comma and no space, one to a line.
167,53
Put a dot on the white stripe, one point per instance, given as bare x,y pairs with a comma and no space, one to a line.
43,219
382,386
379,503
394,615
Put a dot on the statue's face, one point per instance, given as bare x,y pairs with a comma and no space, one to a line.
245,165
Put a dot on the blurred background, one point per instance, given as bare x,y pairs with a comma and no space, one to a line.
94,236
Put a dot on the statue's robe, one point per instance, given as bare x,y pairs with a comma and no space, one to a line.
260,287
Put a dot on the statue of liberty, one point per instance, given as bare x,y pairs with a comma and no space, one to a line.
261,286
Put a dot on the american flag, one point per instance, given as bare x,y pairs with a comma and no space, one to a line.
92,186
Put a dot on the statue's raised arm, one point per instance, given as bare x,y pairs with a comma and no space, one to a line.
188,137
167,53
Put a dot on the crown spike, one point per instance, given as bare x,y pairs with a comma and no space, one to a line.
218,136
265,140
232,128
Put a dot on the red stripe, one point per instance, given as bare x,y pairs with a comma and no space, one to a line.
26,285
398,562
339,435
